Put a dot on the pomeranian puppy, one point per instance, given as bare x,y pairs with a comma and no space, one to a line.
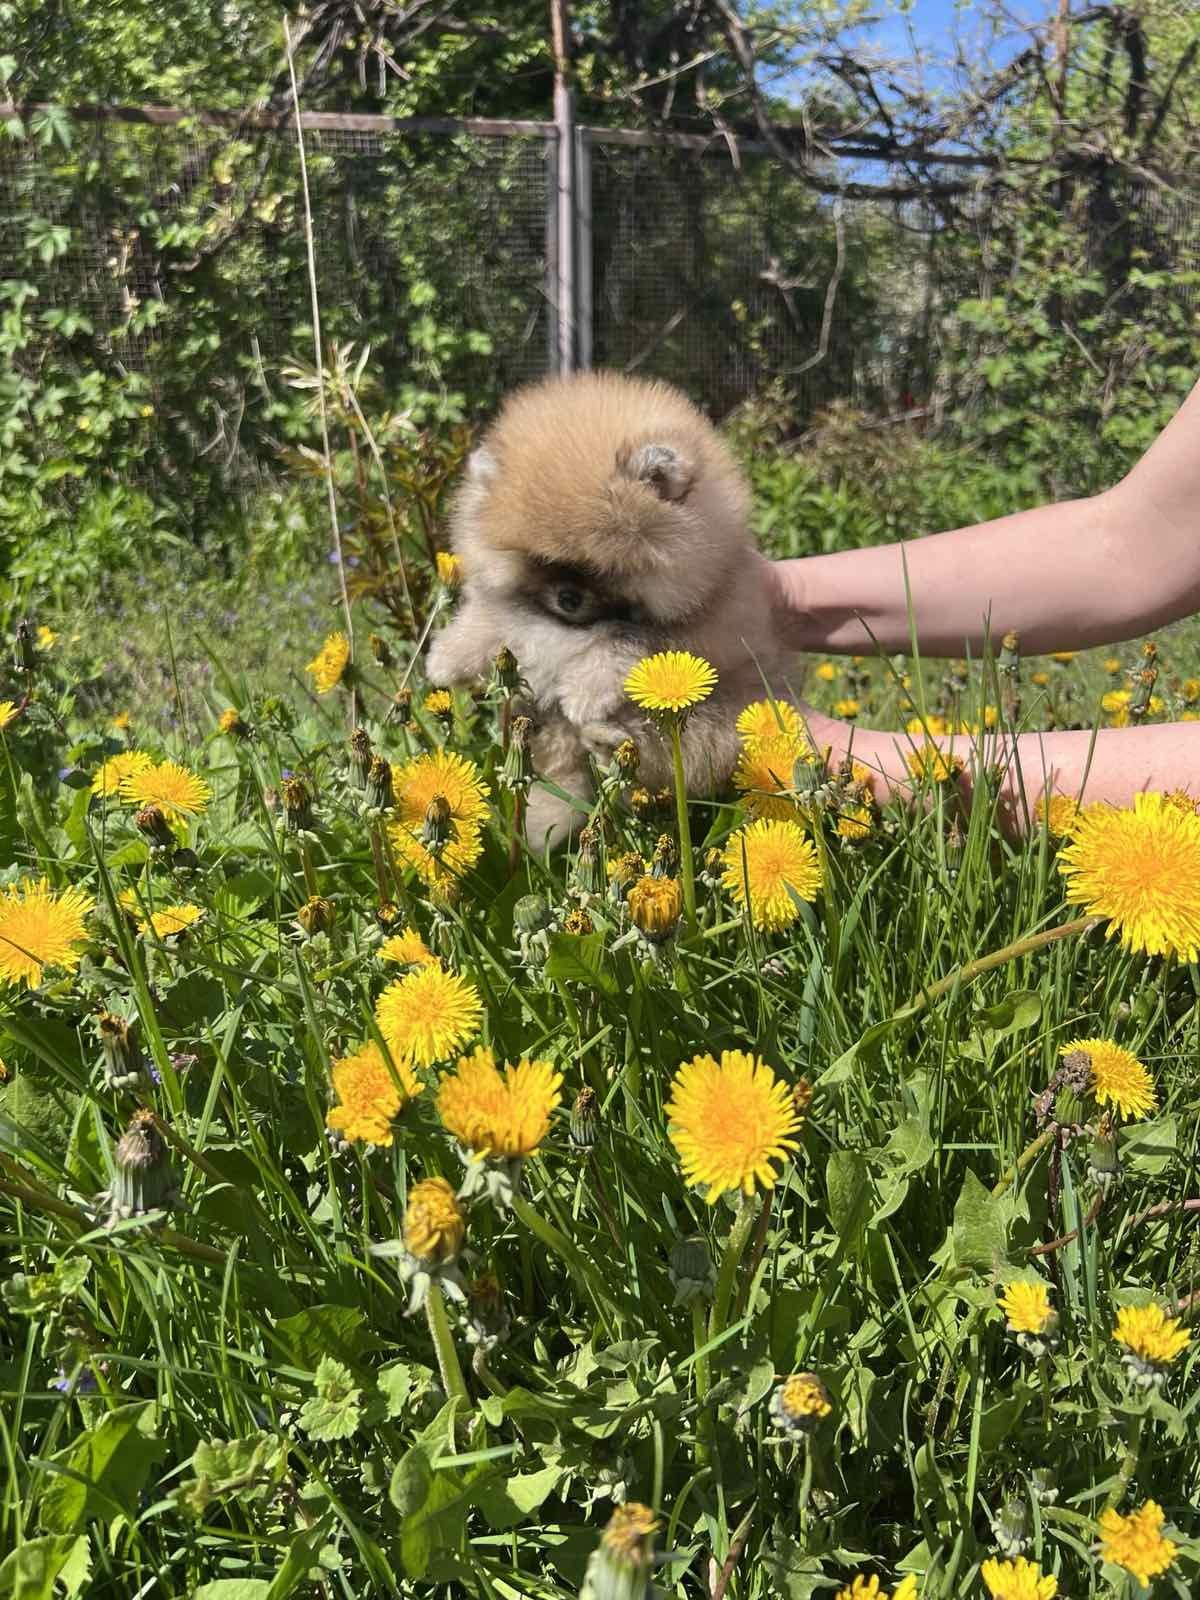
603,519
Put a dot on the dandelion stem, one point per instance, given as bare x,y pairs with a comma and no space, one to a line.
453,1381
687,869
1031,1151
735,1248
961,976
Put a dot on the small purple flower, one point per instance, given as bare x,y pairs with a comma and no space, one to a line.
84,1382
286,772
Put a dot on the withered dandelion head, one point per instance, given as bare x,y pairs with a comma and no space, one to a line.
764,774
328,666
1148,1333
1018,1580
671,682
769,866
176,790
370,1094
111,774
1140,868
434,1222
729,1120
766,718
800,1403
1027,1308
408,949
38,929
1118,1078
655,906
427,1015
499,1112
1136,1541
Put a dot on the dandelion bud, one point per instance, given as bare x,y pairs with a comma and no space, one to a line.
449,571
1149,652
277,711
642,803
434,1222
1073,1100
487,1318
388,915
25,645
316,915
956,844
517,772
438,827
123,1060
585,1114
712,868
665,861
506,675
380,796
402,700
297,805
692,1273
1044,1486
142,1177
381,650
231,722
578,922
1104,1166
587,869
151,822
361,756
1143,690
800,1403
531,914
655,907
1010,653
626,759
802,1093
1011,1527
620,1568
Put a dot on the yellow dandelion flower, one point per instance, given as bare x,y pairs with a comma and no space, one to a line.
454,778
849,707
1112,665
500,1113
230,722
1018,1580
120,722
934,725
766,718
370,1094
1039,679
1189,690
1116,702
930,764
729,1120
860,1588
625,869
1140,868
1189,716
1136,1541
175,790
1149,1333
1027,1307
39,928
826,671
764,774
1180,799
46,638
655,906
449,569
856,823
435,1225
1063,656
9,712
769,866
427,1015
1059,816
672,681
111,774
906,1589
328,666
1118,1078
627,1537
439,703
172,920
408,949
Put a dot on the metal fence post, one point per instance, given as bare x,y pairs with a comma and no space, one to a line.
584,151
564,123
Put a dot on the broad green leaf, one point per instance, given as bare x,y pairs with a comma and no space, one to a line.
234,1589
30,1572
851,1195
104,1471
980,1229
580,960
1148,1148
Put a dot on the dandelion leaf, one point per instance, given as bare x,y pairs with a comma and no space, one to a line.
980,1230
31,1572
1148,1148
102,1472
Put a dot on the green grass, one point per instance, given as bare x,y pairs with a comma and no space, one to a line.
231,1402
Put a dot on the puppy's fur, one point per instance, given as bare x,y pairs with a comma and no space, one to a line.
602,519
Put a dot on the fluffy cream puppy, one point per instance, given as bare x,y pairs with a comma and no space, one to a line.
601,519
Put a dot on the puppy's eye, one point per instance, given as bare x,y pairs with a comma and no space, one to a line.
569,600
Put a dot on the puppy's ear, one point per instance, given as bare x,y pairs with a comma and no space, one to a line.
661,467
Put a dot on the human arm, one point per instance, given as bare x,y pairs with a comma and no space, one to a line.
1065,577
1112,764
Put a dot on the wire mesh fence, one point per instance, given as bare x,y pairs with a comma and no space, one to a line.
436,243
